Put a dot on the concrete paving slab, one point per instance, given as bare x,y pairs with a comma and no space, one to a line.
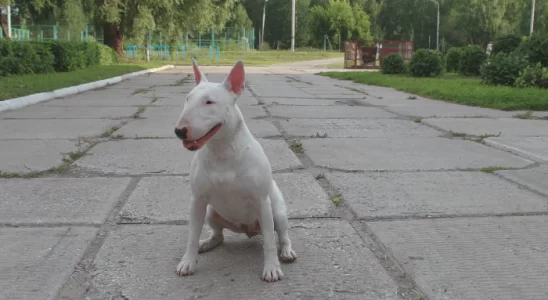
535,148
68,112
53,128
279,154
146,268
286,92
143,156
472,258
166,199
433,194
535,178
481,126
103,99
36,262
349,128
59,200
299,101
431,109
403,153
166,156
336,112
165,127
24,156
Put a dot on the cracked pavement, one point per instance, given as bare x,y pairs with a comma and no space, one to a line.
389,196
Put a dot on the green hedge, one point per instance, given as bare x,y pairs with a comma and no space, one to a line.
38,57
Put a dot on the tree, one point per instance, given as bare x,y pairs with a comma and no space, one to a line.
3,4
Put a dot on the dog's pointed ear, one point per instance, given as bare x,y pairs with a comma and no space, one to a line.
235,80
198,74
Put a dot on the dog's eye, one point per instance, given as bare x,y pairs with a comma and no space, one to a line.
209,102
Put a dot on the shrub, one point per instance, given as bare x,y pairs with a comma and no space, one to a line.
507,43
536,49
533,76
472,57
393,64
69,55
107,55
452,60
503,68
5,47
425,63
46,58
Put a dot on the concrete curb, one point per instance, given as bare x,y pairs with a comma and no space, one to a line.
20,102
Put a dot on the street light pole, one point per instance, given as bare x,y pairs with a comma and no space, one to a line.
532,17
8,11
292,25
438,26
262,31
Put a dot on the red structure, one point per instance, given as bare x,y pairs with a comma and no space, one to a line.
362,54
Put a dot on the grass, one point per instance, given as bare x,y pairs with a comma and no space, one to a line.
456,89
297,147
337,199
19,86
255,58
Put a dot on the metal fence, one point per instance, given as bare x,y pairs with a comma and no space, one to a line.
368,54
54,32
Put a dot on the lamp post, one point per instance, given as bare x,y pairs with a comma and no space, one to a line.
438,26
292,25
532,17
262,31
8,11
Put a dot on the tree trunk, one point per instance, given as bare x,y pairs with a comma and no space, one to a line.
4,28
114,37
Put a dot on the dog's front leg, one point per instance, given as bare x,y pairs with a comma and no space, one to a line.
272,271
198,208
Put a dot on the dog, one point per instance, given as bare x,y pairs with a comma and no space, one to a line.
230,175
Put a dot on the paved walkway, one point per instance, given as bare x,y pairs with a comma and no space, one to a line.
390,196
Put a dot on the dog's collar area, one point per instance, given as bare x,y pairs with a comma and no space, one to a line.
199,143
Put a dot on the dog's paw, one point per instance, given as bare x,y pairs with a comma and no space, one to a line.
272,272
186,266
287,255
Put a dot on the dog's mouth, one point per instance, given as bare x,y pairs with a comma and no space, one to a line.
199,143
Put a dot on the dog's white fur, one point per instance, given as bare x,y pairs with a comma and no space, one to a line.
231,177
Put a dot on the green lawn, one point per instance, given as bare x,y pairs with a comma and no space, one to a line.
457,89
18,86
253,58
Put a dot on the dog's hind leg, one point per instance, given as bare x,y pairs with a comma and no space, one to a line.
216,238
279,212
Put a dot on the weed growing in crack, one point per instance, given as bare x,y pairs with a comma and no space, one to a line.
412,97
180,82
417,119
525,115
297,147
154,99
260,103
140,91
117,137
318,136
320,176
355,90
480,138
337,199
457,134
139,112
109,131
493,169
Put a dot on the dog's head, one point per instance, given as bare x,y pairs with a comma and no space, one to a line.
209,110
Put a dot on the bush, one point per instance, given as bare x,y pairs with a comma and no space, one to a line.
69,55
34,57
425,63
508,43
107,55
503,68
452,60
536,49
533,76
393,64
472,57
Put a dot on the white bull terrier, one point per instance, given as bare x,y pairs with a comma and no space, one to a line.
230,175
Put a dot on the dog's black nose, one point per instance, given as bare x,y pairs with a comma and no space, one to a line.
181,133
